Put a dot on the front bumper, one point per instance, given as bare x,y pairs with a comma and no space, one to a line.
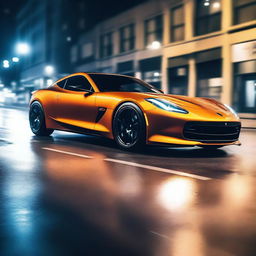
191,130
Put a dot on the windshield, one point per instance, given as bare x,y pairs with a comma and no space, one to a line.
115,83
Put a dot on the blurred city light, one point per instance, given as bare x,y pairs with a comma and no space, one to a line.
216,5
15,59
49,70
206,3
176,193
13,83
154,45
6,64
22,48
49,82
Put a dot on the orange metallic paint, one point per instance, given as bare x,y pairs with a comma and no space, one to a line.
75,108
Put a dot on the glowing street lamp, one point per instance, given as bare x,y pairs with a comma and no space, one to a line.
6,64
22,48
15,59
154,45
49,70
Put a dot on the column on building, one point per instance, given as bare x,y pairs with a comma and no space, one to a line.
189,7
227,71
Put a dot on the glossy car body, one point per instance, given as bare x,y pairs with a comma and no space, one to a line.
206,123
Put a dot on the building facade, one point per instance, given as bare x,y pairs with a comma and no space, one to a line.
204,48
48,27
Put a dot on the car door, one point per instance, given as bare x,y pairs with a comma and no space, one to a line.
76,106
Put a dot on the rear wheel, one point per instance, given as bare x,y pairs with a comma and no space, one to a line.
129,127
37,120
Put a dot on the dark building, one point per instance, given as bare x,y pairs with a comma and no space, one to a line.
48,27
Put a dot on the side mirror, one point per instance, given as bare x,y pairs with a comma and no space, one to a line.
88,93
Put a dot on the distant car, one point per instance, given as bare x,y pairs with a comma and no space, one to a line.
132,112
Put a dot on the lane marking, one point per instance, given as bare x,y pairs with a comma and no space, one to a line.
67,153
158,169
144,166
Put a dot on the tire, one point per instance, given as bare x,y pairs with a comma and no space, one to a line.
37,120
209,147
129,129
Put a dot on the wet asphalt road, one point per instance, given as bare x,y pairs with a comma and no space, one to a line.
73,194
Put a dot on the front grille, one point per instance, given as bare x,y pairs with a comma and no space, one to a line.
215,132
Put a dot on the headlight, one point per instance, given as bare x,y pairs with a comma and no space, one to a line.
231,110
167,105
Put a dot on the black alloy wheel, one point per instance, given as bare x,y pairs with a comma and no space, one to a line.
37,120
129,126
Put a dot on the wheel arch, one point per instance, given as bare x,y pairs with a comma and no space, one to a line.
140,108
47,120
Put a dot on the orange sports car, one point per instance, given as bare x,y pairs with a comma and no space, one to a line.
131,112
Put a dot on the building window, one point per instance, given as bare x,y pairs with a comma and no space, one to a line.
177,24
153,30
178,79
151,71
209,79
245,86
244,10
73,54
208,16
87,50
127,38
106,45
126,68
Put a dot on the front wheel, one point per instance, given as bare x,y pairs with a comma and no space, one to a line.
129,127
37,120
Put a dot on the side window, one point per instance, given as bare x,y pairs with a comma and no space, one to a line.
62,83
78,84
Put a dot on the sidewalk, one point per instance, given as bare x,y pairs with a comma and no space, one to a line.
249,123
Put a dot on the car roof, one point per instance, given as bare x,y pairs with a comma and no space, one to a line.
108,74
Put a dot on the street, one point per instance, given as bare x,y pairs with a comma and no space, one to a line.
71,194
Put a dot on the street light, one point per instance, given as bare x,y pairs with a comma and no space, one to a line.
154,45
49,70
6,64
15,59
22,48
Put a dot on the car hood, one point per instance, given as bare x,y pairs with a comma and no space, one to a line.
203,107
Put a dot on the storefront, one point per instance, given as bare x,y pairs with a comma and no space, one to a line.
126,68
151,71
244,65
178,75
209,73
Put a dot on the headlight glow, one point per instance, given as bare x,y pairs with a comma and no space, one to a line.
231,110
167,105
